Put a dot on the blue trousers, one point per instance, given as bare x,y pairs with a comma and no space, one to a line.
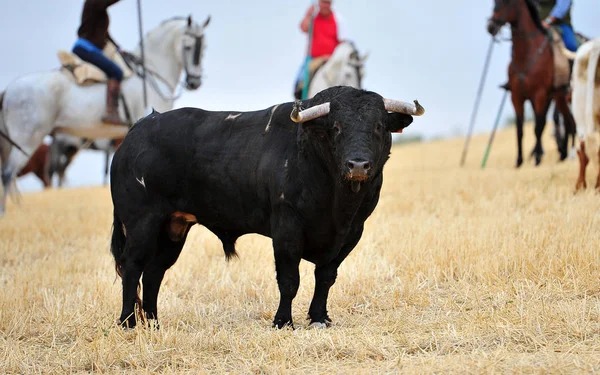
96,57
569,38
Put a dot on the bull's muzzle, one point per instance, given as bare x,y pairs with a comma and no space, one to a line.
358,170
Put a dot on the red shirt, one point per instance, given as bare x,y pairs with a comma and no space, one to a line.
325,35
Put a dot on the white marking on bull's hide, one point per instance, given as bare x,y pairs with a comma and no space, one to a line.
232,117
271,118
317,325
124,230
141,182
286,163
282,196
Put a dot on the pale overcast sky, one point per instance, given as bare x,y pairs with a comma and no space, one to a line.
430,50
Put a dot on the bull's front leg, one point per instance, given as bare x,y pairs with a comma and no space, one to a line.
287,245
325,276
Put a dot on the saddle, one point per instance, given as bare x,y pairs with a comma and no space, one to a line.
562,58
85,73
314,65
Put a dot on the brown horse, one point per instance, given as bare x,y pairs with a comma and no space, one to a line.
531,71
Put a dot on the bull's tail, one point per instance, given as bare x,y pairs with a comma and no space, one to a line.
117,247
117,243
591,86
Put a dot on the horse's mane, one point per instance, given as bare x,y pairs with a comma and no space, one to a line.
535,15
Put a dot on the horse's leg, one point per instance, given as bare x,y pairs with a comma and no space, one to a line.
598,178
541,103
570,128
518,104
106,157
558,133
15,162
583,162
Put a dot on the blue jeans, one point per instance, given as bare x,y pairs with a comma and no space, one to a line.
90,53
569,37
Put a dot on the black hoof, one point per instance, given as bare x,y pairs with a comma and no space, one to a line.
519,162
127,322
281,323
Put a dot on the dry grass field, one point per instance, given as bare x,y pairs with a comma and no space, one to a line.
460,270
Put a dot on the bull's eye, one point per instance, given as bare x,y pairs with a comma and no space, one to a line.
337,128
379,127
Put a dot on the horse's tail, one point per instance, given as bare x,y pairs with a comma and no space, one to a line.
591,85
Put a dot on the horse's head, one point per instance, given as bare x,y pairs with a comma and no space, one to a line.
348,65
505,11
193,48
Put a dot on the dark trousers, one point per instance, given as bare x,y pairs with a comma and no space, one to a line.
111,69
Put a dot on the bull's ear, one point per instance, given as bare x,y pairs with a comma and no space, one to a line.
396,122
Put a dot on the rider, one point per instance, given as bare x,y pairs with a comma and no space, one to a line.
93,36
328,32
558,13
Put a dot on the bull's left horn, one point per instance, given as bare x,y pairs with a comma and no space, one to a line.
310,113
404,107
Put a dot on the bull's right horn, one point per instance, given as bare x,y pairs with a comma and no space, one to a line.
404,107
310,113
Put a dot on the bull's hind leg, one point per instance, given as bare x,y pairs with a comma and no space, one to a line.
325,276
140,246
170,243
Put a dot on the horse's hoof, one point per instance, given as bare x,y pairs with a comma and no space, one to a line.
519,163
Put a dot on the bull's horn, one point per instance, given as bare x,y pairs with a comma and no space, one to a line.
403,107
310,113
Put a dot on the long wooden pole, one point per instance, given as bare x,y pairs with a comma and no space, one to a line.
308,52
489,145
139,4
477,99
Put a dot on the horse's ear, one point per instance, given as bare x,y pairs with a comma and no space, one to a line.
364,57
206,22
190,20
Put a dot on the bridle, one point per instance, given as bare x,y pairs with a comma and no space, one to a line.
135,63
502,19
198,42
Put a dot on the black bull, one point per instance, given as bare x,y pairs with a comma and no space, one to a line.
306,179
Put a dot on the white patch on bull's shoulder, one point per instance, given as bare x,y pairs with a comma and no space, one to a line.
271,118
286,163
141,182
124,230
232,117
282,196
317,325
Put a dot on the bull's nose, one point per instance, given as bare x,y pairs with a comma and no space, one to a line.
358,169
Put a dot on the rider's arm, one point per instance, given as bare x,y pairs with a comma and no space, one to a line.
306,20
559,11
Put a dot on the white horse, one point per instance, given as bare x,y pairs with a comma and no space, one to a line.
37,104
345,67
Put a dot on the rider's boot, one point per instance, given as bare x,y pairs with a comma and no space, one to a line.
112,103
